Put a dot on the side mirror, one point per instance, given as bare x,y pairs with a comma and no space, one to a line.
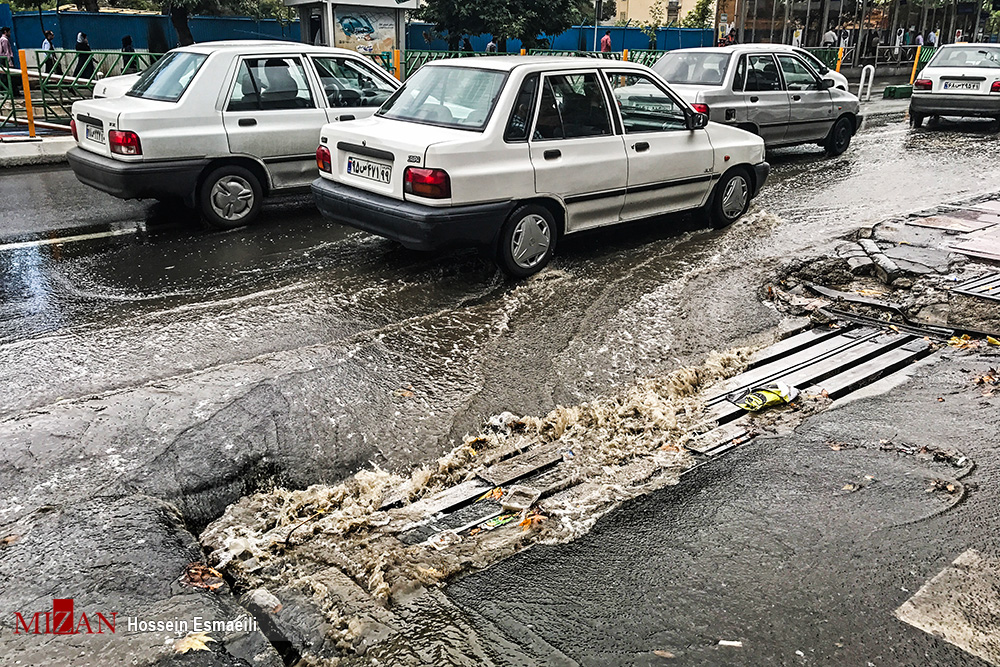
697,121
826,84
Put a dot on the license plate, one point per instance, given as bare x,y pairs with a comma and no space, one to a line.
373,171
961,85
94,133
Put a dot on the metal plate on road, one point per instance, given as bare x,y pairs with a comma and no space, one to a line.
986,286
373,171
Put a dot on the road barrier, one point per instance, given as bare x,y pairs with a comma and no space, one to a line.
8,107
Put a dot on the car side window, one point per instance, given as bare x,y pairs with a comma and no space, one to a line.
572,106
520,115
741,74
264,84
349,83
644,105
797,76
762,74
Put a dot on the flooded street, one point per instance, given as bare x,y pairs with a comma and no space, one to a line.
166,370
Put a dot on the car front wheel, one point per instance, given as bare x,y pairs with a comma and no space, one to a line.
730,199
840,137
230,196
527,241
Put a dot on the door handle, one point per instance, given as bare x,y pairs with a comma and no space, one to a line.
346,116
796,97
247,122
641,146
754,99
553,154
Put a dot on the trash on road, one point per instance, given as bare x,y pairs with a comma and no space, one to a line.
663,654
759,398
445,539
203,576
728,642
520,498
497,521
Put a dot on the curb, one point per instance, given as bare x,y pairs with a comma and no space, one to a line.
23,153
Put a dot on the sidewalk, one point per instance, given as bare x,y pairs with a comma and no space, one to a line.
19,150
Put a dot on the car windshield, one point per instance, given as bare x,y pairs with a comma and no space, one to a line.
169,78
967,56
817,65
460,97
707,69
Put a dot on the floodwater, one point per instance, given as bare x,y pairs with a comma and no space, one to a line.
200,366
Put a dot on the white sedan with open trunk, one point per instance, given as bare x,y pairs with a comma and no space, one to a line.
960,80
511,153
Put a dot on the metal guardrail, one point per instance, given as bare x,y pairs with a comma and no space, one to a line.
8,109
828,55
645,56
611,55
65,77
415,59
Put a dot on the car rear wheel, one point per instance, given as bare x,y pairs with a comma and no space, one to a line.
916,119
527,241
730,199
230,196
840,137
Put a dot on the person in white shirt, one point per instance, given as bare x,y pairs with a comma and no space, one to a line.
830,37
51,61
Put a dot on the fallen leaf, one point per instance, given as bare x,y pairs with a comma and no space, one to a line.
193,641
940,400
990,340
203,576
494,494
663,654
531,520
9,540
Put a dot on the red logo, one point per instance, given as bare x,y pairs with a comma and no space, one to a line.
62,621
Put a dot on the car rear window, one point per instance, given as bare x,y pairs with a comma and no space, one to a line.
707,69
460,97
169,78
967,56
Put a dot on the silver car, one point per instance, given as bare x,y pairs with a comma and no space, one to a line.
769,91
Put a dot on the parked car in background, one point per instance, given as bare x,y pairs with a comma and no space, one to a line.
512,153
960,80
221,125
765,89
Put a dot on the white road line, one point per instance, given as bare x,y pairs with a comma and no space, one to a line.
68,239
960,606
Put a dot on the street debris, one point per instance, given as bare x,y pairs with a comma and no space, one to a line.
9,540
945,486
200,575
660,653
989,380
520,498
760,398
445,539
193,641
728,642
927,453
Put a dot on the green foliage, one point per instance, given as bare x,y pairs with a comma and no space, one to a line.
993,23
519,19
657,12
702,15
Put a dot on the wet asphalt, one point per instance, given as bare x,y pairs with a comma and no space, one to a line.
172,362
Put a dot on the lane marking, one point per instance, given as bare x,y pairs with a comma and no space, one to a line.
960,605
68,239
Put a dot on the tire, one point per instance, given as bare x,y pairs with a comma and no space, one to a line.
229,197
527,241
730,199
839,138
916,119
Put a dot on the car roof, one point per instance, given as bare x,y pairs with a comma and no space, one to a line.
508,63
261,46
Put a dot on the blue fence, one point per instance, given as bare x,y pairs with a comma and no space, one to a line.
422,36
149,32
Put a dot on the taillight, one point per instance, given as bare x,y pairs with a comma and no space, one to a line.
124,143
922,84
995,88
431,183
700,108
323,160
72,128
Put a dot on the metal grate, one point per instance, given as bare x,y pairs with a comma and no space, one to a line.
987,287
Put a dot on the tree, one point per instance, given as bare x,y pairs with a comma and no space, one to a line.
702,15
525,20
657,12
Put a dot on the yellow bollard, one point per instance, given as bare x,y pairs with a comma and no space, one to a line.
27,93
916,61
524,52
840,57
397,64
625,55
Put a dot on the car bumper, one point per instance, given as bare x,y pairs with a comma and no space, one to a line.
956,105
761,171
137,180
415,226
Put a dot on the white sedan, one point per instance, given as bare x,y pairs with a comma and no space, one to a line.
960,80
221,125
511,153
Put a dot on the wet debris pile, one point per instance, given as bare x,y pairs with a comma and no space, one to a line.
325,567
916,271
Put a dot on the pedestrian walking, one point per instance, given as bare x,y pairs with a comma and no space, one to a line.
606,42
51,62
830,38
84,61
918,40
466,43
932,39
129,65
492,46
7,58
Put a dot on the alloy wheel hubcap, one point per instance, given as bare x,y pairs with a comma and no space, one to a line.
734,198
530,241
232,198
